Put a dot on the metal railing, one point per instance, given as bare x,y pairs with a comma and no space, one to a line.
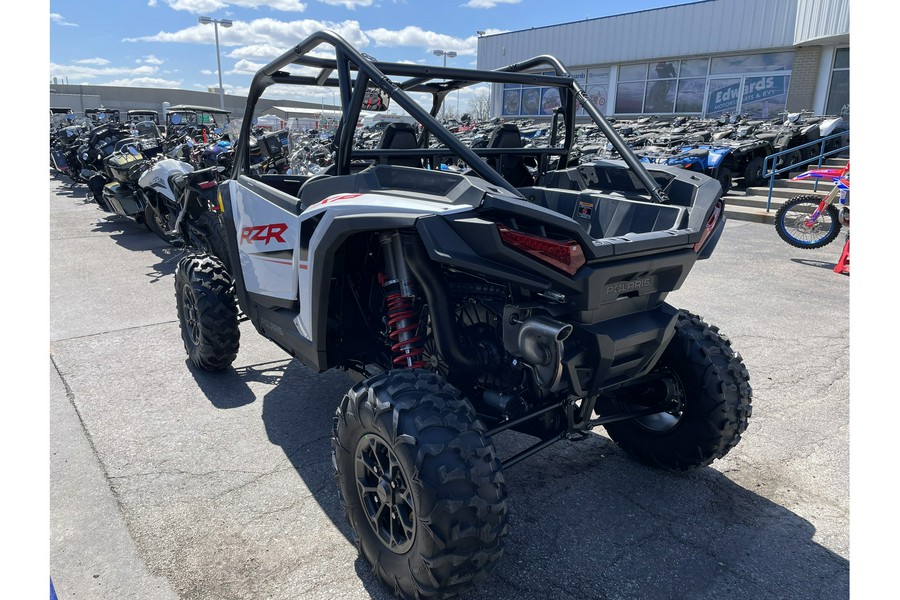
772,160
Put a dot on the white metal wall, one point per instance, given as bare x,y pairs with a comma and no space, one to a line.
704,28
710,27
821,18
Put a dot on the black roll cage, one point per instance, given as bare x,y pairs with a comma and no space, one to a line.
437,81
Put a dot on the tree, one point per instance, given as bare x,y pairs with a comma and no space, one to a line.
480,106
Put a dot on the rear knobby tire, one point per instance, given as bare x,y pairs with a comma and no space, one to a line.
790,223
154,222
212,224
715,406
207,311
412,428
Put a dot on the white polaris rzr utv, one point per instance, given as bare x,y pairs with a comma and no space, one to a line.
521,291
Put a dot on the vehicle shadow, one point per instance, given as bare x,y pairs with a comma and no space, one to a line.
585,520
136,237
229,388
815,263
71,189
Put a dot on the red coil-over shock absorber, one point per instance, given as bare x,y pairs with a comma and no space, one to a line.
399,291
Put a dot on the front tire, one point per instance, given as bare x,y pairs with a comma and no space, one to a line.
753,172
792,222
207,312
421,485
713,393
725,179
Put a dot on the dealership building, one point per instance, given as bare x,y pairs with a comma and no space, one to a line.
707,58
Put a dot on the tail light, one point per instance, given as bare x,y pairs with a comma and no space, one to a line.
564,255
710,225
205,185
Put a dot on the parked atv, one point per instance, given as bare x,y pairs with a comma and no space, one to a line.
467,304
705,159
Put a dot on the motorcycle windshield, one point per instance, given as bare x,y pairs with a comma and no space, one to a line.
145,131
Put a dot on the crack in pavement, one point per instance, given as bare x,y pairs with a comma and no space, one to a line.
99,333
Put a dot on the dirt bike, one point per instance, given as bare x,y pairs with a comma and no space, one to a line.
811,221
466,304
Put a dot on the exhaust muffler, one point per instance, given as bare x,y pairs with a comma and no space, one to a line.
538,342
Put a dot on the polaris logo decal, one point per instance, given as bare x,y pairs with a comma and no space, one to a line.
263,233
629,286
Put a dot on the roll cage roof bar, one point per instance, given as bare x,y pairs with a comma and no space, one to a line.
437,81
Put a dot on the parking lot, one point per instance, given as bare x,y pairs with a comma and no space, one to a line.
167,482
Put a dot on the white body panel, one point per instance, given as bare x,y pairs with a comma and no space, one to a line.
274,269
157,177
267,237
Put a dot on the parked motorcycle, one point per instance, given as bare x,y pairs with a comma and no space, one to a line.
810,221
217,154
181,206
65,142
119,193
105,157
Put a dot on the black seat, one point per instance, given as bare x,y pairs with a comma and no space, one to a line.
511,167
399,136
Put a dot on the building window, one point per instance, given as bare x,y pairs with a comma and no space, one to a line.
597,89
752,84
662,87
512,100
751,63
534,101
839,88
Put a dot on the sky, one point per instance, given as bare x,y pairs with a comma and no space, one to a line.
159,43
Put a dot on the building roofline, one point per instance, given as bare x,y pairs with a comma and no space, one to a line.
636,12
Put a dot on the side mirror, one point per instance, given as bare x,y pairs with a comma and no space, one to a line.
375,99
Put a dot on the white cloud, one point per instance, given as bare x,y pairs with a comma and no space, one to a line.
428,40
260,33
245,67
92,61
207,72
265,51
488,3
208,6
148,82
88,72
58,19
348,4
150,60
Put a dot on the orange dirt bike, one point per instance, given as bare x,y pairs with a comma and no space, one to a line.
812,221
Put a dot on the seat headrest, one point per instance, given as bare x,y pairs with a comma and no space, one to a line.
505,136
398,136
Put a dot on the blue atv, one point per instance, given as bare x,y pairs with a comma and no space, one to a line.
709,160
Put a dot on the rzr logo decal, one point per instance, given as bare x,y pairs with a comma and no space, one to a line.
263,233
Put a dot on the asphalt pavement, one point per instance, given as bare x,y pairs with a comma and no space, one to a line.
171,483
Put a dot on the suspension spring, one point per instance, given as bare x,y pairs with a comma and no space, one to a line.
402,320
403,324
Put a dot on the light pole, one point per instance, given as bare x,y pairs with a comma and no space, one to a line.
216,23
448,54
